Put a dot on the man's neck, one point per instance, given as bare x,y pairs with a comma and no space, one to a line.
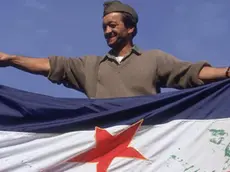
122,51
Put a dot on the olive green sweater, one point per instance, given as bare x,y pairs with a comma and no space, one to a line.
139,73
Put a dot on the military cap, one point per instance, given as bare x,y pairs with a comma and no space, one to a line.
118,6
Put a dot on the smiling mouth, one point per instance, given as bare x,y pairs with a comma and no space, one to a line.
110,38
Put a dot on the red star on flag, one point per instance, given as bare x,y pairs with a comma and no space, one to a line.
109,147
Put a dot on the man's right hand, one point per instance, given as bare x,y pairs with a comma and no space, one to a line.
4,59
28,64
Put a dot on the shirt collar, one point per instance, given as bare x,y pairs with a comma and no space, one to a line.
134,49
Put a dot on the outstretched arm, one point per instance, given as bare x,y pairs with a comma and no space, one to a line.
208,74
67,71
39,66
176,73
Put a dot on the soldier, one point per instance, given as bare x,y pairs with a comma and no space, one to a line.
125,71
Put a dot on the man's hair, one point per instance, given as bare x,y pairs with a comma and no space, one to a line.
129,22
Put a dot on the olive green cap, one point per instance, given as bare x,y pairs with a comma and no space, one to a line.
117,6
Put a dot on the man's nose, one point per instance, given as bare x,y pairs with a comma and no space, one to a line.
107,30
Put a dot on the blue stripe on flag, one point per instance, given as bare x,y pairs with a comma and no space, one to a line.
25,111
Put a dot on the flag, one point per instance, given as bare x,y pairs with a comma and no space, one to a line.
179,131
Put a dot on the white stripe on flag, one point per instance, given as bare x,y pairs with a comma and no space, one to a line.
181,145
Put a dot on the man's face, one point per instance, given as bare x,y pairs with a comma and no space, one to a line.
115,31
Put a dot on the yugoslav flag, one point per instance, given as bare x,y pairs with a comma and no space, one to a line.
182,131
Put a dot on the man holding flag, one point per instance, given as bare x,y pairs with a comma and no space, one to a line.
125,71
180,131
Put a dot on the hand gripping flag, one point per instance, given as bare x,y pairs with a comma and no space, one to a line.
181,131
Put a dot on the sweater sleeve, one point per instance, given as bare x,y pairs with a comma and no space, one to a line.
175,73
67,71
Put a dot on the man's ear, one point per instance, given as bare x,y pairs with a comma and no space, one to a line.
131,30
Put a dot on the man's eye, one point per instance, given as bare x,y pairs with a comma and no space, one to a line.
112,25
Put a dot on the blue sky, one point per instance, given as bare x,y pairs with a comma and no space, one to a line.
190,30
